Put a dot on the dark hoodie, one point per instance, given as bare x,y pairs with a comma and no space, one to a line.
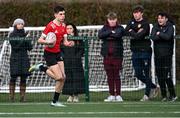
164,42
19,61
112,42
139,42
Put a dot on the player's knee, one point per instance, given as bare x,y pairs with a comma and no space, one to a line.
63,79
60,78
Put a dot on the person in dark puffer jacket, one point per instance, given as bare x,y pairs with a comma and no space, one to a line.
163,37
19,61
112,51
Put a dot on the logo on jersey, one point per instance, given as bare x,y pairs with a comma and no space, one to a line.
53,26
56,32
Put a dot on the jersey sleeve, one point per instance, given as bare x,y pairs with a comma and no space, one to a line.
47,29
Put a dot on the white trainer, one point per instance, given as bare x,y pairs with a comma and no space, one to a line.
76,99
172,99
154,92
110,98
145,98
70,99
119,98
35,67
57,104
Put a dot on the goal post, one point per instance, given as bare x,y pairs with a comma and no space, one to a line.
40,82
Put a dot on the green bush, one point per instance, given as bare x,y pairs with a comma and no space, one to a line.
39,13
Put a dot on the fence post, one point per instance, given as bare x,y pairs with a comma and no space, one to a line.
86,68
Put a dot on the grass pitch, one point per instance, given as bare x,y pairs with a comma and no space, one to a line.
92,109
38,105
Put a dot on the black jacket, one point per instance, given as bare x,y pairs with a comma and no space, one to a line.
75,81
19,61
138,41
164,42
112,38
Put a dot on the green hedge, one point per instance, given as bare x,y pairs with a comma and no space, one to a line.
81,13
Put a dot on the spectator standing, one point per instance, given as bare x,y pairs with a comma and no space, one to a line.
138,28
19,61
112,51
163,38
75,81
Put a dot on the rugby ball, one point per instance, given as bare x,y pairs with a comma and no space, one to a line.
51,38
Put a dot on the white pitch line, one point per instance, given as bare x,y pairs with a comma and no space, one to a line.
22,104
83,113
97,103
